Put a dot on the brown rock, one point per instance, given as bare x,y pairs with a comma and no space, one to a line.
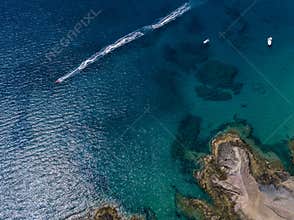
107,213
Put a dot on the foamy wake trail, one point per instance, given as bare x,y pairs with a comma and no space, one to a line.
172,16
127,39
120,42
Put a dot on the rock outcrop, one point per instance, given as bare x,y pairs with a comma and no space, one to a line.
107,212
242,184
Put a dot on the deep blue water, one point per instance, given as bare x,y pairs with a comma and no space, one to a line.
105,134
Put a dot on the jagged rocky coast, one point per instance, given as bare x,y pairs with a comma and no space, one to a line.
242,183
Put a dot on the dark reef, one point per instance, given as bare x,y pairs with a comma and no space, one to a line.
217,74
187,147
187,135
212,94
217,81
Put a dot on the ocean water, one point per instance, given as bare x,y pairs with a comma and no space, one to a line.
105,134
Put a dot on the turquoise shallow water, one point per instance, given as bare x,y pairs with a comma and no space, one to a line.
105,135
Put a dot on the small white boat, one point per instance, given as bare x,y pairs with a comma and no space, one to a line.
269,41
206,41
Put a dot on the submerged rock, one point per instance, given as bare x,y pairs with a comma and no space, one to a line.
217,74
217,81
150,214
195,209
187,135
186,146
213,94
107,212
241,183
291,147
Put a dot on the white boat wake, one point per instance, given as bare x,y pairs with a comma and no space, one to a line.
127,39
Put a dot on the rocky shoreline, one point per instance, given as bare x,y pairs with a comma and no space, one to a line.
242,183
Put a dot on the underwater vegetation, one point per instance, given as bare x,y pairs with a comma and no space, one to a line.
185,55
187,135
184,147
212,94
217,81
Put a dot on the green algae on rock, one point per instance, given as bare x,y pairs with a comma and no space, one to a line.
241,183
